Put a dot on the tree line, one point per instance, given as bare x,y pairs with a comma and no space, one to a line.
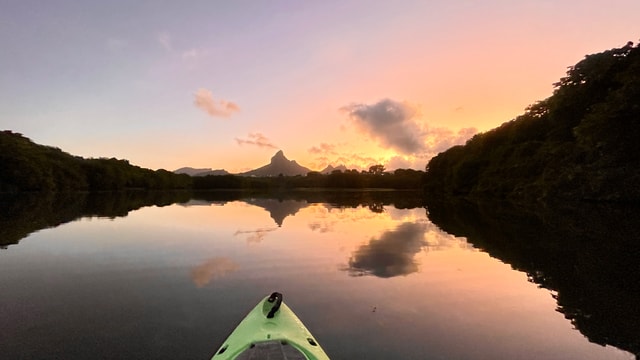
27,166
400,179
581,143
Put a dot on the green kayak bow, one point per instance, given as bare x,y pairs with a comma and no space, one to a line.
270,331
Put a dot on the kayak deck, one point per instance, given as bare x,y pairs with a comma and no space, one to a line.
271,331
271,350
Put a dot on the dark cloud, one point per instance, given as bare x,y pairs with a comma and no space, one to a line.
391,122
390,255
256,139
395,126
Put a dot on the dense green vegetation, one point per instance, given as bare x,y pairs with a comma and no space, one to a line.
350,179
582,143
27,166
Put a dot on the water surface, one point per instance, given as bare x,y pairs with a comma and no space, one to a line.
370,281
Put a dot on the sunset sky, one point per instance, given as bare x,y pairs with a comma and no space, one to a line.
226,84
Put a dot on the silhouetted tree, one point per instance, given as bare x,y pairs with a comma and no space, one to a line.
580,143
376,169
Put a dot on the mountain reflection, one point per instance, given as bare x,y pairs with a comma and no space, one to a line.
213,268
278,209
390,255
23,214
588,255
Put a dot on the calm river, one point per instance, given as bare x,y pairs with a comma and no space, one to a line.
370,279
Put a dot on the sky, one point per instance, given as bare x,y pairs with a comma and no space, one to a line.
226,84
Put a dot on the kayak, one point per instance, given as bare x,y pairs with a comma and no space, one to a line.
270,331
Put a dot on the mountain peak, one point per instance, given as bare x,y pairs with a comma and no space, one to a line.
279,156
279,165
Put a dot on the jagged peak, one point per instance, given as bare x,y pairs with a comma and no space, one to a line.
279,156
279,165
331,168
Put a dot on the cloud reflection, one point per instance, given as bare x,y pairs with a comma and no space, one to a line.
322,226
214,268
390,255
255,236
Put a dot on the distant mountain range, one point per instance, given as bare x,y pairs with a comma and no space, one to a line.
279,165
329,169
200,172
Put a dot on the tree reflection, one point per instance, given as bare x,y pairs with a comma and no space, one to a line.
588,255
376,207
390,255
22,214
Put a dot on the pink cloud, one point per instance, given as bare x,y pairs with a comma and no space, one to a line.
256,139
216,108
323,148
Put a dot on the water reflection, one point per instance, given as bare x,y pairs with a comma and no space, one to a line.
22,214
255,236
376,207
392,254
323,226
211,269
278,209
588,255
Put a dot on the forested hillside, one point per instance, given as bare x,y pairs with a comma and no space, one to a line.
27,166
581,143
